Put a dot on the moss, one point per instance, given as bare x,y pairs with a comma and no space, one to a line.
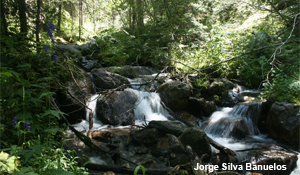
217,99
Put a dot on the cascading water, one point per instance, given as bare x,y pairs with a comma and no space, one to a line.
91,104
223,123
85,124
148,107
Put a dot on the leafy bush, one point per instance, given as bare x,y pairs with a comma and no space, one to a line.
30,126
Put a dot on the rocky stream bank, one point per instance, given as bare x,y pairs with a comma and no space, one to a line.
166,122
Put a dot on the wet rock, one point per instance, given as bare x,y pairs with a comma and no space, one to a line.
201,107
197,139
271,155
283,123
179,159
87,64
81,90
187,117
106,80
170,127
146,136
114,135
131,71
217,87
171,144
232,98
175,94
117,109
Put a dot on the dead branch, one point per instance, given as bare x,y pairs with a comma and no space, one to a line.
79,101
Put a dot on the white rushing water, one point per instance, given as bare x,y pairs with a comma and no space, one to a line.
91,104
223,122
84,124
148,107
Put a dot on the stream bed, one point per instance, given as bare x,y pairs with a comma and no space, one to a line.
233,127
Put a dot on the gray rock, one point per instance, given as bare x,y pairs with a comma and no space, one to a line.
197,139
117,109
68,50
179,159
283,123
201,107
171,144
106,80
217,88
146,136
175,94
270,155
170,127
88,65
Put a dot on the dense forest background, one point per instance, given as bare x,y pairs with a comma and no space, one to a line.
253,42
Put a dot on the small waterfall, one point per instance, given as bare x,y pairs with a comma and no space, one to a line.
91,104
84,125
242,117
148,107
250,113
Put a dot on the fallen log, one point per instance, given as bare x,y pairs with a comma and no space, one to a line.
211,141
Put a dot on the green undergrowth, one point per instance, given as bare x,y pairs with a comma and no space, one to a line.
31,128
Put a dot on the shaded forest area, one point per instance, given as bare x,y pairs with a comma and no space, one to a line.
255,43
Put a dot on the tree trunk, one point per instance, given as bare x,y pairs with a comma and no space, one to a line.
59,18
23,17
80,18
72,21
3,19
37,26
140,15
94,20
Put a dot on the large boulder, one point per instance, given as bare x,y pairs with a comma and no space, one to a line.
201,107
270,155
106,80
171,144
168,127
71,99
283,123
197,140
117,109
175,94
217,87
146,136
